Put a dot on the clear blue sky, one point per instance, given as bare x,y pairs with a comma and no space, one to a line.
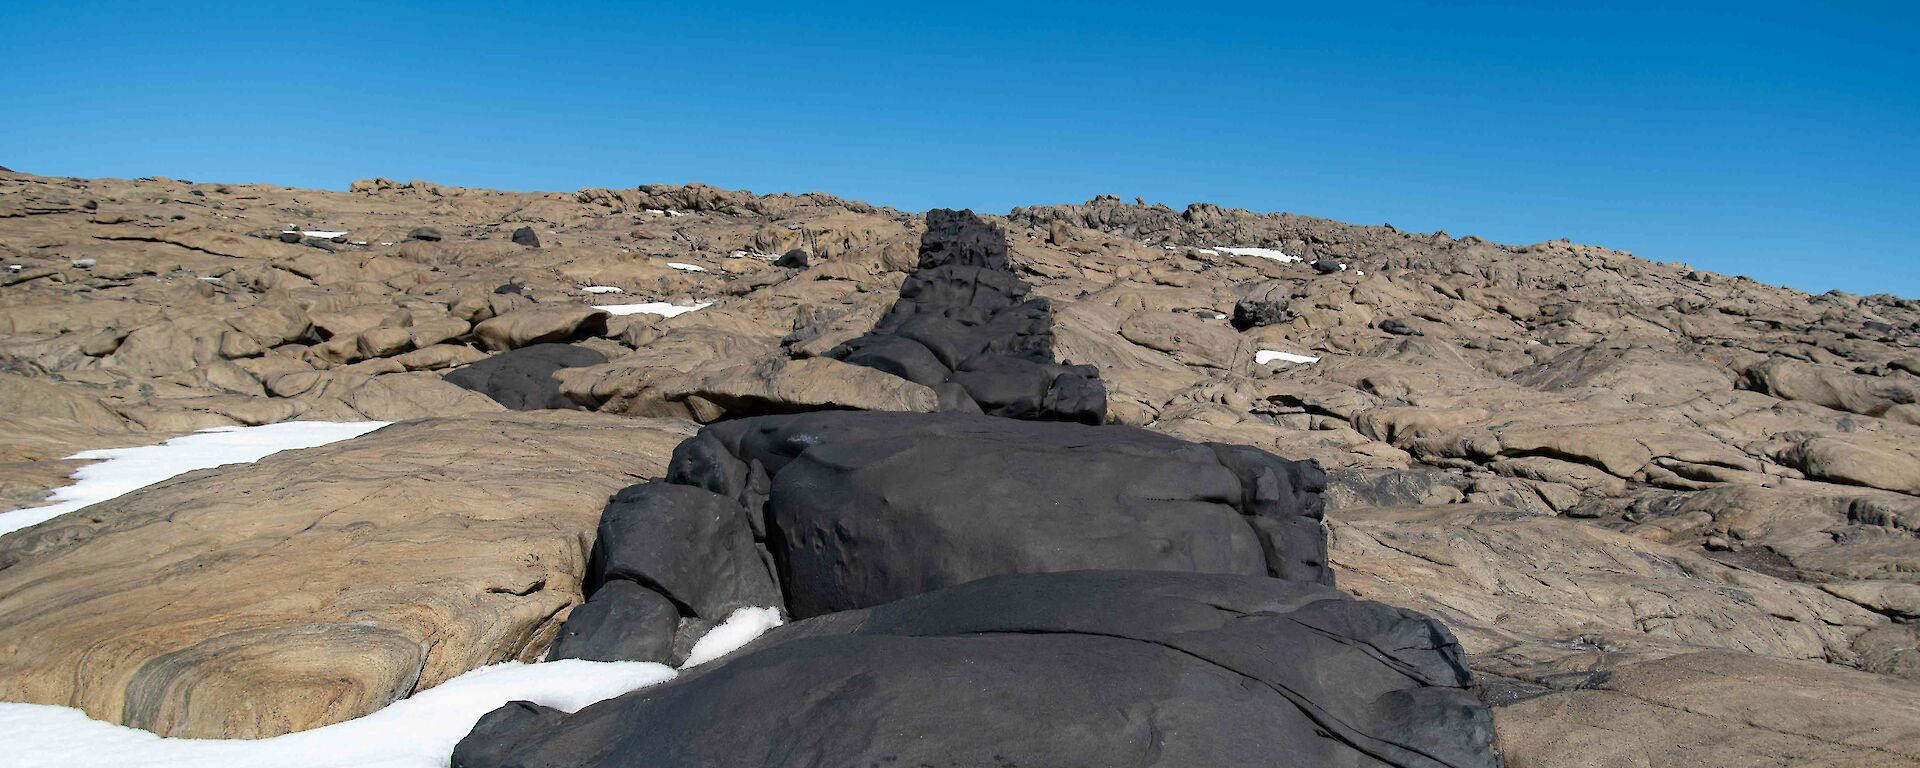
1775,140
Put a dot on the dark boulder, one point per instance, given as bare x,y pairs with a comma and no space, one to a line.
693,546
1263,304
290,236
523,378
1108,668
428,234
525,236
794,259
1327,266
860,508
964,318
621,621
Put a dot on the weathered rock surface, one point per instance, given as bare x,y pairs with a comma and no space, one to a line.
319,585
1089,667
523,379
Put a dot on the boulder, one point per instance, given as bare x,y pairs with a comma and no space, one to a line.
1085,668
525,236
319,585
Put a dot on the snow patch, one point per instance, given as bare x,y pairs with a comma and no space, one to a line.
1266,356
740,628
323,234
1265,253
601,289
665,212
122,470
684,267
652,308
417,732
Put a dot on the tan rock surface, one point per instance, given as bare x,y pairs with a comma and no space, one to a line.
316,585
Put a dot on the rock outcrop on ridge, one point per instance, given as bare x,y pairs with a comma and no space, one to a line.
1727,462
964,324
1120,668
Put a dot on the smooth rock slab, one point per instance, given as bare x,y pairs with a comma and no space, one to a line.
1108,668
316,586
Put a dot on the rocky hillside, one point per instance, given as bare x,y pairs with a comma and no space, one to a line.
1645,498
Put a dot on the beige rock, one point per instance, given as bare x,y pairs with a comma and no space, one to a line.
1718,710
318,585
536,325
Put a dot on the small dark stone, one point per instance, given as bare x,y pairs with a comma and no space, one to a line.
1327,266
794,259
290,236
510,288
1399,327
525,236
428,234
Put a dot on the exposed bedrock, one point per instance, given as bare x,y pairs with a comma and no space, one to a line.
1111,668
846,510
859,509
523,379
963,318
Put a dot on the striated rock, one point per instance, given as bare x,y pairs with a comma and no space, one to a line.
315,586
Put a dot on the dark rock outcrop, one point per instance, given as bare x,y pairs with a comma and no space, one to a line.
523,378
1118,668
964,318
859,509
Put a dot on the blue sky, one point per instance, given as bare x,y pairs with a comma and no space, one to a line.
1775,140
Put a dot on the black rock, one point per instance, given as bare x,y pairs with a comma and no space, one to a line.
428,234
1263,304
1399,327
1327,266
1065,669
861,508
512,288
290,237
525,236
621,621
794,259
693,546
964,318
523,379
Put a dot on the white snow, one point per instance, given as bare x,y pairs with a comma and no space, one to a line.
652,308
1265,253
1266,356
684,267
740,628
665,211
126,469
324,234
601,289
417,732
751,255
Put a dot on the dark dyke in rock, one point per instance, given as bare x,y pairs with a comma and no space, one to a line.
1110,668
523,378
964,318
691,545
862,508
